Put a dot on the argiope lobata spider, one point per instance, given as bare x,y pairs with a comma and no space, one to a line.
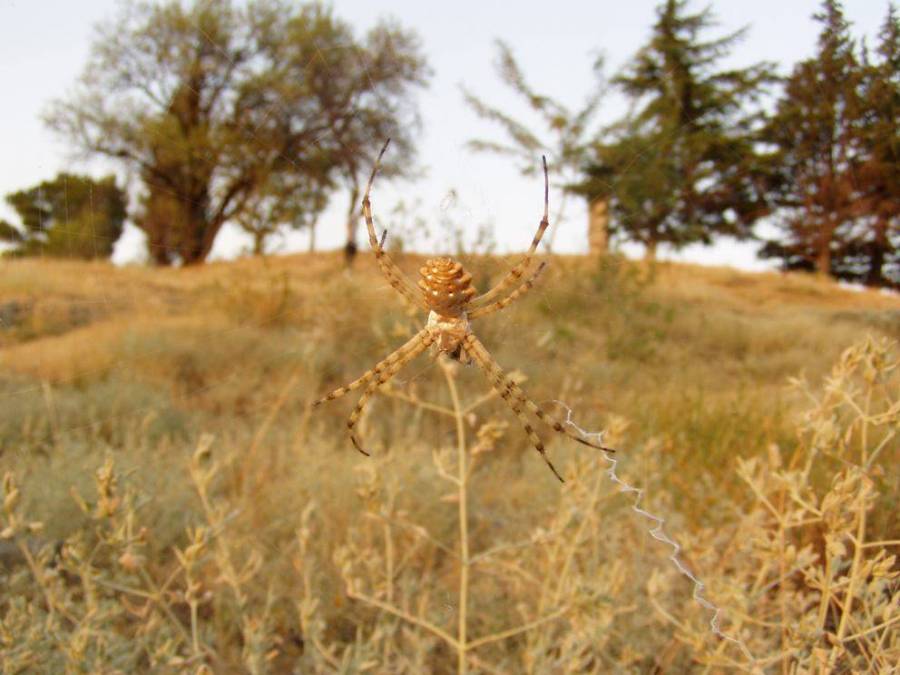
446,292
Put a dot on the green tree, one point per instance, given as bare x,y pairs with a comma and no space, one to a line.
70,216
207,102
392,58
816,144
567,138
284,204
872,255
680,169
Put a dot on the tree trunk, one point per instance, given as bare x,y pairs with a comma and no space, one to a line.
875,273
195,240
157,248
598,227
312,236
192,250
350,248
650,250
823,257
156,223
259,243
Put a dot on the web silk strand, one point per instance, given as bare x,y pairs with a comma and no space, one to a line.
657,531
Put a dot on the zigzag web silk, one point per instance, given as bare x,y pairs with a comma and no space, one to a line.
657,531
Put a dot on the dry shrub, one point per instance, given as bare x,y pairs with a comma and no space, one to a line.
807,569
800,562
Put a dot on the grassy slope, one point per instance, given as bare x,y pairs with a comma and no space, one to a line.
696,356
140,362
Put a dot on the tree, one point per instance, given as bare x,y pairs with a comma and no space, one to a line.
872,256
814,131
207,103
284,203
70,216
567,130
391,57
679,168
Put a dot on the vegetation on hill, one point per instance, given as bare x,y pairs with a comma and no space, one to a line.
171,503
70,216
217,107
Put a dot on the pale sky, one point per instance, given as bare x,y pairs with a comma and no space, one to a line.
44,46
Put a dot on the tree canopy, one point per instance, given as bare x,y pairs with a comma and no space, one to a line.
678,168
812,131
209,104
70,216
835,160
873,254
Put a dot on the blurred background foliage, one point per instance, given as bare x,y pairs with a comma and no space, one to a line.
260,114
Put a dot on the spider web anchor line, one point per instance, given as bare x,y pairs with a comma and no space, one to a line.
658,532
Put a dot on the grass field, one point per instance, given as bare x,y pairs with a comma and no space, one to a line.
171,504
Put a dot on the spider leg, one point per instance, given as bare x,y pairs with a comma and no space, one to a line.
424,340
515,404
381,366
526,286
522,266
503,384
389,268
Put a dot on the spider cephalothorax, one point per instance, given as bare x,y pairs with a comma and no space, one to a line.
445,291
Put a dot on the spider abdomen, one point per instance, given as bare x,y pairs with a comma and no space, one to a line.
446,285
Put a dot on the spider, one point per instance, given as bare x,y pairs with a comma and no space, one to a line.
445,291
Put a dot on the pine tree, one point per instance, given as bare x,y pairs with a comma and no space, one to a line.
814,131
872,256
70,216
679,169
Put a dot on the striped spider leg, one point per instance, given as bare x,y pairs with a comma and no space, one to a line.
516,398
395,276
522,266
425,340
381,366
526,286
383,371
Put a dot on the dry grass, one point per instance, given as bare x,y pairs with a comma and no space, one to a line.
171,505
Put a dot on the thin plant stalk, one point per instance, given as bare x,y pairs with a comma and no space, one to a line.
462,487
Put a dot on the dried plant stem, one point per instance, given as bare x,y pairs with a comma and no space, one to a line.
388,598
462,503
512,632
415,529
481,400
389,390
406,616
576,542
861,518
52,605
157,595
873,629
854,568
251,459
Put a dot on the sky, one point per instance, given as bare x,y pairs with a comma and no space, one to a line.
45,44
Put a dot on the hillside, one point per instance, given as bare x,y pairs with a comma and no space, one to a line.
215,345
686,367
